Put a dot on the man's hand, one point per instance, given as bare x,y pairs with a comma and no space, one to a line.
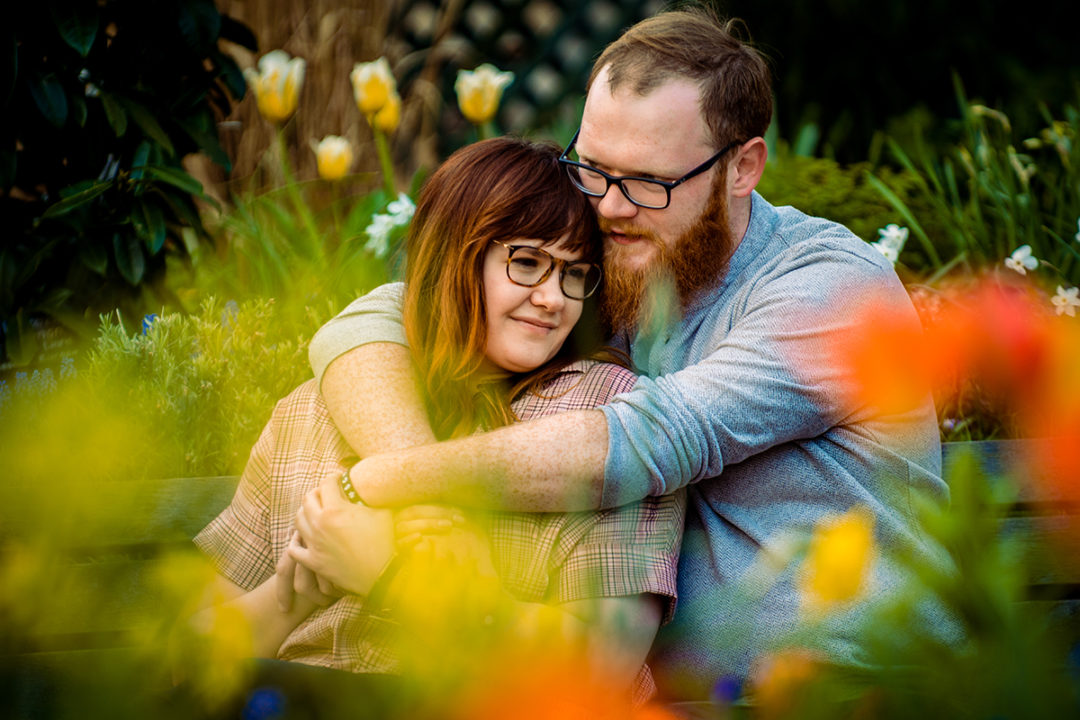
344,543
413,523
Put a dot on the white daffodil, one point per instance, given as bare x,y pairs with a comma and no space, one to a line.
891,254
894,236
1066,300
1022,260
334,157
479,92
373,85
277,84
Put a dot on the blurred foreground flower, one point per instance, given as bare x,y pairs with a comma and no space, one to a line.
838,561
1000,341
373,84
779,681
479,92
1022,260
334,157
277,84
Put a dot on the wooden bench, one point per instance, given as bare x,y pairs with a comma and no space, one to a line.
102,610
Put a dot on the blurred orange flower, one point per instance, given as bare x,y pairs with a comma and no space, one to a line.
1004,340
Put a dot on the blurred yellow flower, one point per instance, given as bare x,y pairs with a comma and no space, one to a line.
389,115
334,157
838,561
779,680
373,85
277,84
479,92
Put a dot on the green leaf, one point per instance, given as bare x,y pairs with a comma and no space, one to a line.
77,199
199,23
154,228
149,125
138,163
231,74
239,33
50,99
94,256
114,113
78,110
129,257
77,23
207,141
21,344
176,178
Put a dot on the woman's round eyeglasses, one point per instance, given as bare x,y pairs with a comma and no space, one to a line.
529,266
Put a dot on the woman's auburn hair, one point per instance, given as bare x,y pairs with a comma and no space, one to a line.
498,189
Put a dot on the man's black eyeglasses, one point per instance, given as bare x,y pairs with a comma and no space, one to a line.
643,192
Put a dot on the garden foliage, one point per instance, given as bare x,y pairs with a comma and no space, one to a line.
102,100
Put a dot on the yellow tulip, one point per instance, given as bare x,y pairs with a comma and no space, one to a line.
839,559
373,85
388,118
277,84
479,92
334,157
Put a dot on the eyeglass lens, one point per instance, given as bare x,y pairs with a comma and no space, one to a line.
639,191
529,266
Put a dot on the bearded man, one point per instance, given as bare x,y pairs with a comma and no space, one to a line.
747,397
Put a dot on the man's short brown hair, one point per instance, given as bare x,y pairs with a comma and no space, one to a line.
696,44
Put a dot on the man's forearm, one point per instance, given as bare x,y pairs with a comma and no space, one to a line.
550,464
373,399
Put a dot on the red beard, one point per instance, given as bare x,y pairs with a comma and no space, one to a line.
698,259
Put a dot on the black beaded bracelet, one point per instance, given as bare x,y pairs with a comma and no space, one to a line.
347,487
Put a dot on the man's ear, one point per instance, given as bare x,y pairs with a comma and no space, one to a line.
745,171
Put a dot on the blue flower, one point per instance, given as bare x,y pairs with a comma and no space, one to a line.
67,367
147,321
265,703
727,690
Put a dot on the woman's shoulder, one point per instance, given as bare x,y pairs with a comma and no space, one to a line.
581,385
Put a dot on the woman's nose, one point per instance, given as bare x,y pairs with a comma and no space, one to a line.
549,294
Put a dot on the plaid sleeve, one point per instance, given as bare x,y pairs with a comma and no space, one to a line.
627,550
238,541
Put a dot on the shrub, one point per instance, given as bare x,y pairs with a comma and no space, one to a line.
102,101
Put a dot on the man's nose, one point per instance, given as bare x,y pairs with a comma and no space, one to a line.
615,205
549,294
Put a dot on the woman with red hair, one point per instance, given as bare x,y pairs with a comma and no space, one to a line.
502,252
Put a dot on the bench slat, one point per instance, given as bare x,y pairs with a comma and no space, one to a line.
91,515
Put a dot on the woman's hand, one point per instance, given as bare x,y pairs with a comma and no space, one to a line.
344,543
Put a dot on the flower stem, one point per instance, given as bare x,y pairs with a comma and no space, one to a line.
302,210
384,159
